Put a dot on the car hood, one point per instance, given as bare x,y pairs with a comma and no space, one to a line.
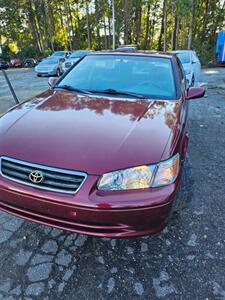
49,66
91,134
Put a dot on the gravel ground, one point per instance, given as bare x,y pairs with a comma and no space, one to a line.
26,85
185,261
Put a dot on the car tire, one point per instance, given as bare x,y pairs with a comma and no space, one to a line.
185,189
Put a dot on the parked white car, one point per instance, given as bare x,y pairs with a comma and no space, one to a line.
191,65
74,57
50,66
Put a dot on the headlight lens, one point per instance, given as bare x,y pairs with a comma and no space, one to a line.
167,171
141,177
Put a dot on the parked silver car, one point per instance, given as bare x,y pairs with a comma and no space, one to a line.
191,65
50,66
74,57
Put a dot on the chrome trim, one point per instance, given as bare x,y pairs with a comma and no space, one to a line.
37,166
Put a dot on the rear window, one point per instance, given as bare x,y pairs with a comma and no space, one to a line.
184,57
146,75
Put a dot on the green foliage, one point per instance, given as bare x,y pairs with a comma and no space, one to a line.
34,28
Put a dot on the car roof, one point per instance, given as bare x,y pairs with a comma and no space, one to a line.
134,52
81,51
182,51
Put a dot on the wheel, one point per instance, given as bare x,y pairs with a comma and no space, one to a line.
193,80
185,189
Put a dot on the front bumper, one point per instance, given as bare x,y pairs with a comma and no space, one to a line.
45,72
106,215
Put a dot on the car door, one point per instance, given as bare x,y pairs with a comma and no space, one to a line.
196,67
184,84
61,61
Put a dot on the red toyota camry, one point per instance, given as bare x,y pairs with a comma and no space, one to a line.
101,152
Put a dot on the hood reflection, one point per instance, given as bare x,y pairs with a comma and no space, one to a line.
136,110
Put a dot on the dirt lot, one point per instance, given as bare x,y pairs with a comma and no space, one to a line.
185,261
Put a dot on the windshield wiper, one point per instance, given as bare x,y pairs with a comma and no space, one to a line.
117,92
70,88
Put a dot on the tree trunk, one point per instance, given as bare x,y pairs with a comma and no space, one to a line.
126,16
172,25
205,20
160,48
147,27
31,18
110,34
191,25
41,36
165,25
174,32
44,23
68,24
88,25
98,17
177,32
105,35
138,22
183,37
71,26
48,23
152,31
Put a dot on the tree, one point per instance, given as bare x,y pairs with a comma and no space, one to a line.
38,27
191,24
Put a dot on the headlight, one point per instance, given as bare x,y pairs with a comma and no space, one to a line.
141,177
167,171
187,72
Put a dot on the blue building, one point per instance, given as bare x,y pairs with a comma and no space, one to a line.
220,47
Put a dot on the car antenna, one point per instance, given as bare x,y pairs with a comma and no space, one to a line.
10,86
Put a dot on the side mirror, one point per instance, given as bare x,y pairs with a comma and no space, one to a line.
52,81
195,92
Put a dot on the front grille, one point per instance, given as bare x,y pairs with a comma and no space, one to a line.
54,179
43,69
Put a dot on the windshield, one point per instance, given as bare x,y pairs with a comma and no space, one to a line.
50,61
184,57
145,75
58,53
78,54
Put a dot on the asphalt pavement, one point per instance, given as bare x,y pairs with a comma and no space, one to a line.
185,261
